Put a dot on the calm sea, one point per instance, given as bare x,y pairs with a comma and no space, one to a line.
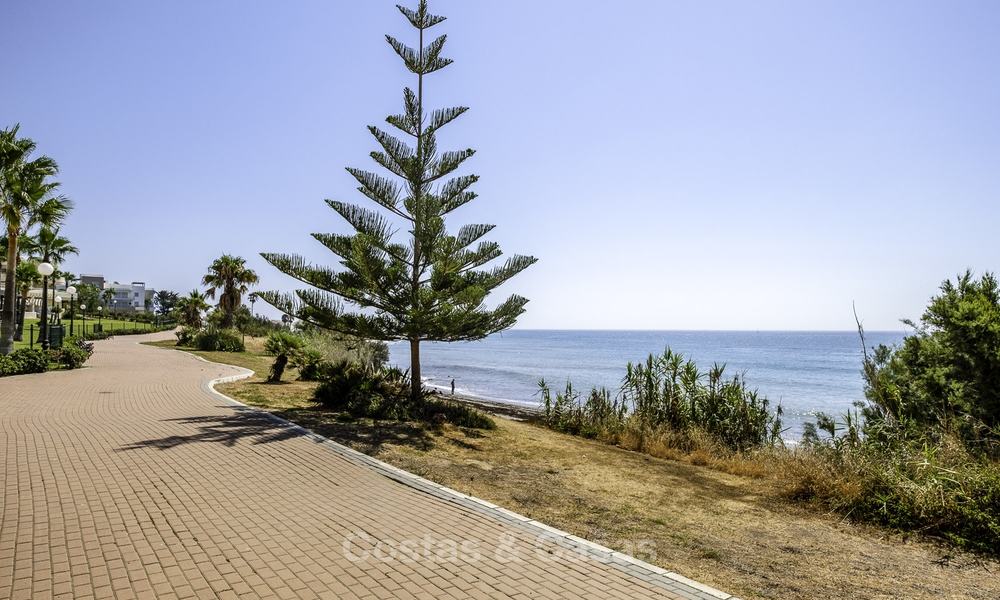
805,371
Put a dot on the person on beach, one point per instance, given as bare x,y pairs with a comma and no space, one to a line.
452,386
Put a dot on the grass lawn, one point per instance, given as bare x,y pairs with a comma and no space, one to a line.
109,325
727,531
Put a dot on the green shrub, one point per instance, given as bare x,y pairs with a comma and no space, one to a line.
73,356
31,360
24,361
281,344
7,366
945,376
132,330
940,490
385,394
310,363
212,339
186,335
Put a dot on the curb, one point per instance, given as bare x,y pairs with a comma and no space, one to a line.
647,572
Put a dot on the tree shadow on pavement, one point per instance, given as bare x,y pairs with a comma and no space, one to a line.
258,427
226,429
363,435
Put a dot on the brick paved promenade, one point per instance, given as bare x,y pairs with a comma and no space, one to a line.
131,479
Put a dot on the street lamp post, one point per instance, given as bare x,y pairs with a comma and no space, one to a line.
83,315
71,290
59,302
100,313
45,269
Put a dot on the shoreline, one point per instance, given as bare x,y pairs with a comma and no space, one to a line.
507,409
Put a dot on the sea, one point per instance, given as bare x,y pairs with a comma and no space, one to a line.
805,371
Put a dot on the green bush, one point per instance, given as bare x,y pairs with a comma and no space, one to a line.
134,330
937,489
24,361
31,360
385,394
73,356
945,377
7,366
186,335
281,344
310,363
212,339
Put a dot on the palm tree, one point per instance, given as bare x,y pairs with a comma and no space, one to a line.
108,295
27,276
190,307
27,199
229,274
46,246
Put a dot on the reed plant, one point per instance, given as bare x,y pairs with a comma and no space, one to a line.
668,393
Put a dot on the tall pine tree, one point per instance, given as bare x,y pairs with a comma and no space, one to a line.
433,286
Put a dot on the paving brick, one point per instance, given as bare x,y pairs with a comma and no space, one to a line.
131,479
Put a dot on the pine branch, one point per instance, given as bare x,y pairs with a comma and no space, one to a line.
424,63
447,164
443,116
409,55
484,253
402,155
389,164
499,275
468,234
344,284
420,18
382,191
343,246
363,220
432,56
455,193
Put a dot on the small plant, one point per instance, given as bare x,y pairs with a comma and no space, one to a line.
281,345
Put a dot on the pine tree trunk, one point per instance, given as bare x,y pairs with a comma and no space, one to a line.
10,306
415,371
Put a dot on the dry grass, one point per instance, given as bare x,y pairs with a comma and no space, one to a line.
727,529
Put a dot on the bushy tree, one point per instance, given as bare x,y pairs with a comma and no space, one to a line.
89,295
431,286
164,301
946,375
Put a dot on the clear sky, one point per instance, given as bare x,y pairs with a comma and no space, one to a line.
674,165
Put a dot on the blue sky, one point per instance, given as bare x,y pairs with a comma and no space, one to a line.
674,165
